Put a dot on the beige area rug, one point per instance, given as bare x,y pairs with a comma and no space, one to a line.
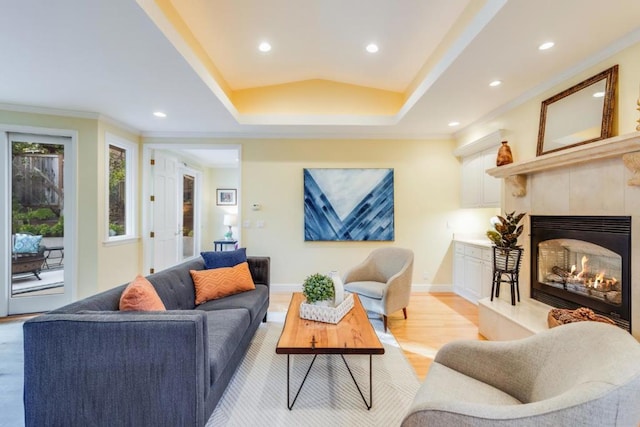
257,394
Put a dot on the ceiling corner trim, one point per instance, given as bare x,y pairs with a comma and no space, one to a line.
480,20
166,18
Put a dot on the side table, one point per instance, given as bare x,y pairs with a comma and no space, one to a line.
224,245
48,256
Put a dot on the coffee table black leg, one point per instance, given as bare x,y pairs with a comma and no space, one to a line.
289,403
370,403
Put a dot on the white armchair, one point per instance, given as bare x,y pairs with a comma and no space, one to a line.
578,374
383,281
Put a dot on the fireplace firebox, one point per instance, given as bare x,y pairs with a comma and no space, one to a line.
583,261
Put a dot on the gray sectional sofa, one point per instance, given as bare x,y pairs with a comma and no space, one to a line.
88,364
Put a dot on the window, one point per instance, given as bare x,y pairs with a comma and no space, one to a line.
121,185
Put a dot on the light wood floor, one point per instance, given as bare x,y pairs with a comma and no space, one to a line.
432,321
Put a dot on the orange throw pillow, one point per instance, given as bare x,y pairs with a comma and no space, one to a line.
140,295
221,282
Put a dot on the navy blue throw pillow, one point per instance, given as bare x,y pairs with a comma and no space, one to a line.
224,258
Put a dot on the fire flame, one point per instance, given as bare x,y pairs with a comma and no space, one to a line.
599,279
585,266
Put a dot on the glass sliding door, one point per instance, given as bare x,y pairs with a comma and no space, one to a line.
37,216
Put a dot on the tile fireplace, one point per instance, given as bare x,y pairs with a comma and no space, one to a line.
598,180
583,261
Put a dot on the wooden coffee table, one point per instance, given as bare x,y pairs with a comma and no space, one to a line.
352,335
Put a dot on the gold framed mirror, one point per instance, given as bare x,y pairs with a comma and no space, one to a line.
579,115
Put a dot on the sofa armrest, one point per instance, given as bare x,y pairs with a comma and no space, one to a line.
260,268
101,368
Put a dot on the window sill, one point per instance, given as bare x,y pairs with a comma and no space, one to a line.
121,241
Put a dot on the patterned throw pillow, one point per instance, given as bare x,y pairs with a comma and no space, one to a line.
26,244
221,282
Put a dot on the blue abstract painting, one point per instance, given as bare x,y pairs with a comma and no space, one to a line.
348,204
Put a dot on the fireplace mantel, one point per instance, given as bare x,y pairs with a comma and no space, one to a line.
627,146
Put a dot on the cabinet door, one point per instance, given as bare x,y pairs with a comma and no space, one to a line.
458,269
491,187
472,167
487,278
473,277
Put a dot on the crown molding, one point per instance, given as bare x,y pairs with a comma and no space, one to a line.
31,109
298,135
49,111
488,141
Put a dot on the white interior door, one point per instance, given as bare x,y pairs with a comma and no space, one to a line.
166,223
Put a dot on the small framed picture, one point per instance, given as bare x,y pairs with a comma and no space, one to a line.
226,197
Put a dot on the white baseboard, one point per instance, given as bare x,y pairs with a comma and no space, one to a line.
285,288
431,288
296,287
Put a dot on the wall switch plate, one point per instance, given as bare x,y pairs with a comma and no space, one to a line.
246,224
260,224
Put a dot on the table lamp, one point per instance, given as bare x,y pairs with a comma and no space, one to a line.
229,221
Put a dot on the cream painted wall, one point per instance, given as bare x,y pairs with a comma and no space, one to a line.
427,192
426,197
220,178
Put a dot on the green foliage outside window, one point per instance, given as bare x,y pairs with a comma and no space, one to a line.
117,190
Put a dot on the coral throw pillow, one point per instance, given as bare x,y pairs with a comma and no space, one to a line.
140,295
221,282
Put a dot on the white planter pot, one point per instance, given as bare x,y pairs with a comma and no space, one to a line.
338,288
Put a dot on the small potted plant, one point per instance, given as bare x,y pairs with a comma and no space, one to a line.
506,230
507,254
318,289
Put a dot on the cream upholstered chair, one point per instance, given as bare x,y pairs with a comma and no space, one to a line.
578,374
383,281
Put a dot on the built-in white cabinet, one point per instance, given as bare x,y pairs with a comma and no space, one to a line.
491,187
472,271
471,190
479,189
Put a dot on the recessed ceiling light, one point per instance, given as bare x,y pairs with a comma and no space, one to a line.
545,46
598,95
453,124
264,47
160,114
372,48
495,83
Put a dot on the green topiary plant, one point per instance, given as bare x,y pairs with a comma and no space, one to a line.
318,287
506,230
